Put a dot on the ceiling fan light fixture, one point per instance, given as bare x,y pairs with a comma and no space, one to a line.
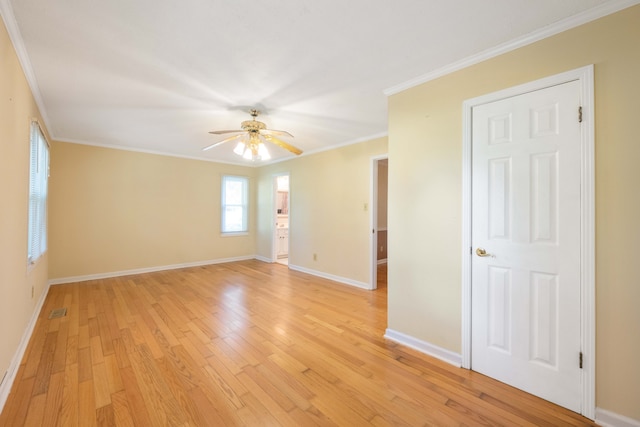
252,145
263,153
239,150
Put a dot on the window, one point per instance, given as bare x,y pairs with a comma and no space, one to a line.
235,191
38,177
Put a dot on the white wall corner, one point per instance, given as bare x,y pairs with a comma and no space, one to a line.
424,347
611,419
10,377
263,259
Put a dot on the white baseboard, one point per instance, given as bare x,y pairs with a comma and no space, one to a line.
424,347
263,258
97,276
7,382
339,279
74,279
611,419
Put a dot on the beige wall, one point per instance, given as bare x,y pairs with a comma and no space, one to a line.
17,107
425,128
328,191
113,210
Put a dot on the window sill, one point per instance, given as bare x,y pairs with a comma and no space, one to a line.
234,233
32,265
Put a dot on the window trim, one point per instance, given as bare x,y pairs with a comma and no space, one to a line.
38,193
244,205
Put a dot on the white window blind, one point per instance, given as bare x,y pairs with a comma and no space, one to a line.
38,177
235,198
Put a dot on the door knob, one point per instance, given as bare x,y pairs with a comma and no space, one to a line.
481,252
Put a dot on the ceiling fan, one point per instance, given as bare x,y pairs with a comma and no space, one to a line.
250,139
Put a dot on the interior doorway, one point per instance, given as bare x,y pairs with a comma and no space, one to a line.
534,145
282,216
379,232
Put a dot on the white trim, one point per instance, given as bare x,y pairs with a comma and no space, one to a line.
339,279
587,303
234,234
274,214
154,152
21,52
424,347
535,36
7,382
373,218
606,418
331,147
226,162
73,279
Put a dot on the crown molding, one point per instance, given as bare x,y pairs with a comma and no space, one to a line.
21,52
540,34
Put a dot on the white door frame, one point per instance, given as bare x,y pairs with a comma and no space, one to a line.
373,215
585,76
274,213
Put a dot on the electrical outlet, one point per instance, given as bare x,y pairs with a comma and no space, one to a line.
315,257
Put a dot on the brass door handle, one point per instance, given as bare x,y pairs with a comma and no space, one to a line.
481,252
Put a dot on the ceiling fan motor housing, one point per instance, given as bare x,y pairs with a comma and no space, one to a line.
253,126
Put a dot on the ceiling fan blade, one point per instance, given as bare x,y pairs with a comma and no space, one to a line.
283,144
275,132
220,132
215,144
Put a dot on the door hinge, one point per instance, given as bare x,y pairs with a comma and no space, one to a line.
580,360
579,114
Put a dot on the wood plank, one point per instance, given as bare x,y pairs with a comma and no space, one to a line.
105,416
162,406
121,411
60,353
43,375
69,407
113,374
35,414
102,394
133,396
86,404
85,368
53,402
244,343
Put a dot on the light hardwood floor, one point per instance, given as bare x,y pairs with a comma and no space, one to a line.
244,343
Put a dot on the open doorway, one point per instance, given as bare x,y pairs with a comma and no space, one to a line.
282,215
379,185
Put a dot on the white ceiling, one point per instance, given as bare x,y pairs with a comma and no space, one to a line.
157,75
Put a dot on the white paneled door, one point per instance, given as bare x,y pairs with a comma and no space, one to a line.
526,242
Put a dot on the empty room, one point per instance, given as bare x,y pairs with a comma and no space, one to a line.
319,213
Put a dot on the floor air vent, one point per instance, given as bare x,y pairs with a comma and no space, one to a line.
58,312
